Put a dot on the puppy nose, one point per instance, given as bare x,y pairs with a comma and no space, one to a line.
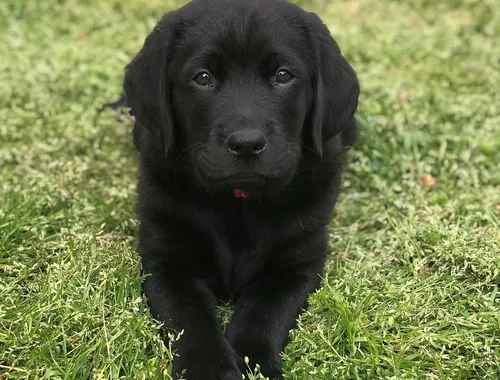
246,143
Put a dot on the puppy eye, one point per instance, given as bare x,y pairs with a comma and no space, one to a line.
203,79
283,77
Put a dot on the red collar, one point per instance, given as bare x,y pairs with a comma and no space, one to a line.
238,193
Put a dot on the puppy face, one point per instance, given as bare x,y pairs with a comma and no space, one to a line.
243,88
241,94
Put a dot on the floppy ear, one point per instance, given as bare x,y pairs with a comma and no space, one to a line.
146,83
336,90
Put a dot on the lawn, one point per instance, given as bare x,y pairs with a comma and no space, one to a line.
411,288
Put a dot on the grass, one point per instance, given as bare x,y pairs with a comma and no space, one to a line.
411,289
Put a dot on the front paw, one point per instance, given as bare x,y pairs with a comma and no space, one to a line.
211,372
207,366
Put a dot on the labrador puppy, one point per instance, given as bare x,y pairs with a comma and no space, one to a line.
242,111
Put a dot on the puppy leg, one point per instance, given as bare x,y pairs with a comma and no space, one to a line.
265,313
185,303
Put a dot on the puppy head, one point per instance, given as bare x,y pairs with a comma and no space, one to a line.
243,89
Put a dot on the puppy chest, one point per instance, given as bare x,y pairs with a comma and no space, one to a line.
239,256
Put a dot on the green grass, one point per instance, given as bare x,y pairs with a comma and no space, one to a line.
411,289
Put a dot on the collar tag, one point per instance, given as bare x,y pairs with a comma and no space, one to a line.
238,193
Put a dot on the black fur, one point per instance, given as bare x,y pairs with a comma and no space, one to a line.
199,243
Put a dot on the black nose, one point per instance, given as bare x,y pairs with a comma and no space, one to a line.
246,143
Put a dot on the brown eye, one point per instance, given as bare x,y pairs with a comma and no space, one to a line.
203,79
283,77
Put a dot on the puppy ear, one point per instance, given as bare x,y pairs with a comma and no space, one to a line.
336,90
146,83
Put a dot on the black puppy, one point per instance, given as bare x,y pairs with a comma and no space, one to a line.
243,109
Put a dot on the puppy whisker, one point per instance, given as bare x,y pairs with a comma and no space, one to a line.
189,149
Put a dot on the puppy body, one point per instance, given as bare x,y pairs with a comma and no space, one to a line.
216,111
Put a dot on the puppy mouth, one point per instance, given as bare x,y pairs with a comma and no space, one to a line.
251,181
243,180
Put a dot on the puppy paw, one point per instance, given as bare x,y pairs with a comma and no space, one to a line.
230,375
211,373
210,367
